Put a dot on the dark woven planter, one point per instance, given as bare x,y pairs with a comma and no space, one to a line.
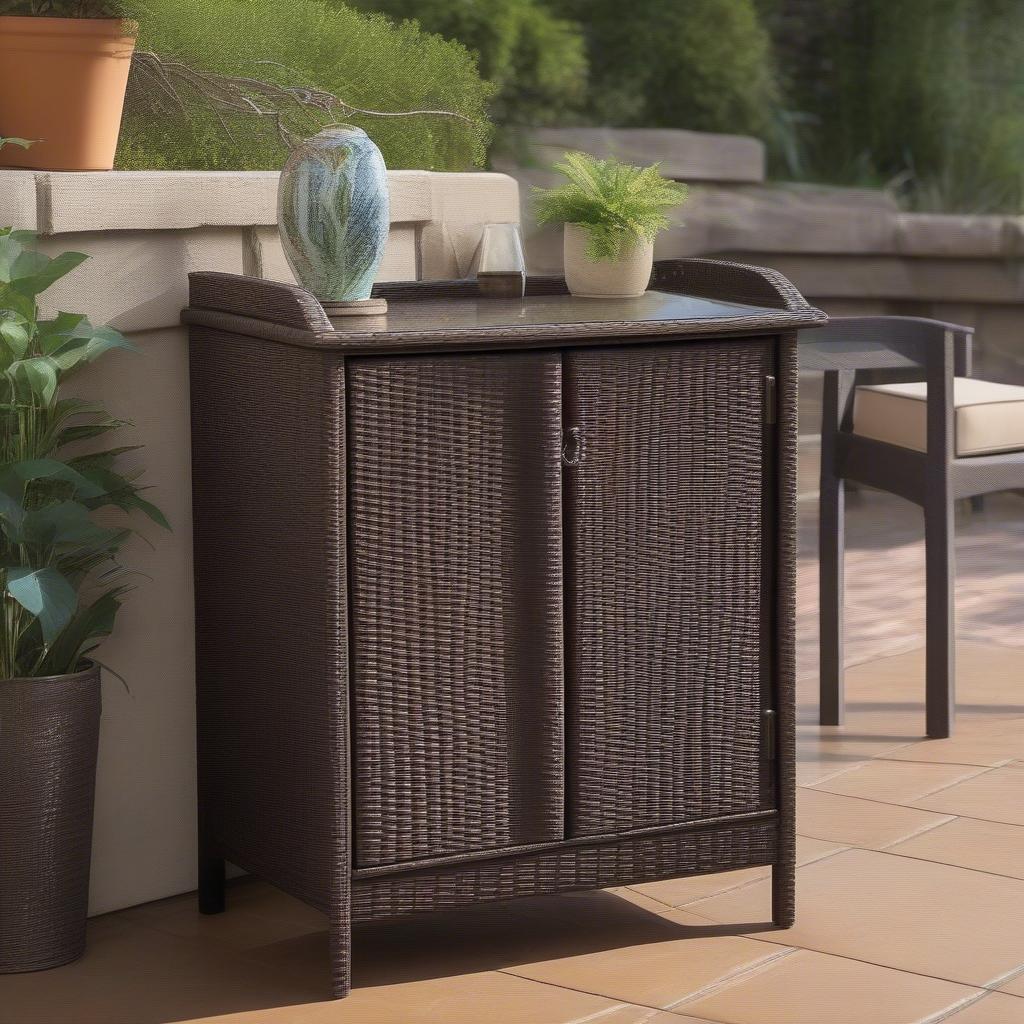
49,733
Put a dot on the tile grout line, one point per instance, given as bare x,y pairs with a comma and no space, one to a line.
980,770
1006,976
913,807
842,848
585,992
923,830
871,963
593,1016
963,867
952,1011
736,976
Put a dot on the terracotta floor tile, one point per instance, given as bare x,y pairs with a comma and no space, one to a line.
854,822
996,795
134,975
994,1008
896,782
970,843
492,997
658,973
1015,986
822,752
988,745
809,988
912,915
257,915
677,892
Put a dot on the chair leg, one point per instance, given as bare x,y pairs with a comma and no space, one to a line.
940,660
831,545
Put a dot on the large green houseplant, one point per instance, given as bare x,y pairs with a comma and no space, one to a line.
61,583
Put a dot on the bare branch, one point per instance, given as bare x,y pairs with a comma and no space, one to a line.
161,83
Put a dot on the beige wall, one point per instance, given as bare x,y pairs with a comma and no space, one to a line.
144,232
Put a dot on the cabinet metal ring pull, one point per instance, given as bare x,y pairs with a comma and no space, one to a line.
572,447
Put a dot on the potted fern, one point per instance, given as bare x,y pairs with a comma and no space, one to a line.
60,588
612,213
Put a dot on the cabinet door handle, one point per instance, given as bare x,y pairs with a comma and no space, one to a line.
572,447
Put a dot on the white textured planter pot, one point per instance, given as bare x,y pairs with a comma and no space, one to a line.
621,278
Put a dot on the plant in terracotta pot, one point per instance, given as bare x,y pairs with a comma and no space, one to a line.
60,588
612,213
63,72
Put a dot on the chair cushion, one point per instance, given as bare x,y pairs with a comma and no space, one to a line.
988,417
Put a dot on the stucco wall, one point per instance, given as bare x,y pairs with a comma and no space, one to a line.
144,232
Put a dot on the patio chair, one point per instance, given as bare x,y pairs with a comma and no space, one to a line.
942,436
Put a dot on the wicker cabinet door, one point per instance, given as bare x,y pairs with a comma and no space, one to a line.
455,522
668,603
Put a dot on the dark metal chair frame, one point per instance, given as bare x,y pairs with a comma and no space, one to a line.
861,350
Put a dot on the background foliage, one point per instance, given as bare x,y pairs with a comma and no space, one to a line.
703,64
365,59
535,59
924,95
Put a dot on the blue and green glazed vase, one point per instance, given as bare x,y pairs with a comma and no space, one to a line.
333,213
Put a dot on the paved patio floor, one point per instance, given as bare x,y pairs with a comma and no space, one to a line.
911,884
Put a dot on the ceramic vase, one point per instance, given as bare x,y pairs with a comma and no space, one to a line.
626,276
333,213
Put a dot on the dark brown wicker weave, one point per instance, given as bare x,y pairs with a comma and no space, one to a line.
49,732
494,598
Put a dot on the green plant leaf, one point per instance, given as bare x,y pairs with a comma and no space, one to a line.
65,522
10,140
149,509
19,235
34,378
104,339
10,249
14,477
13,301
87,628
46,594
15,337
85,431
31,276
53,333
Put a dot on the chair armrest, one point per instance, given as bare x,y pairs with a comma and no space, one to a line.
883,342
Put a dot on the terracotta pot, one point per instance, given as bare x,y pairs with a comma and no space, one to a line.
62,81
49,732
624,277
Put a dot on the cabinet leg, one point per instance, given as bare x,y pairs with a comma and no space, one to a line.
211,884
783,895
341,957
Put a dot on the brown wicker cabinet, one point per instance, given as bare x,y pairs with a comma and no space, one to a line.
494,598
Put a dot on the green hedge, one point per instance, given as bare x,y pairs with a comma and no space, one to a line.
535,60
925,96
365,59
703,64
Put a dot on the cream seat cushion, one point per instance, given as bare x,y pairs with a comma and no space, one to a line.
988,417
